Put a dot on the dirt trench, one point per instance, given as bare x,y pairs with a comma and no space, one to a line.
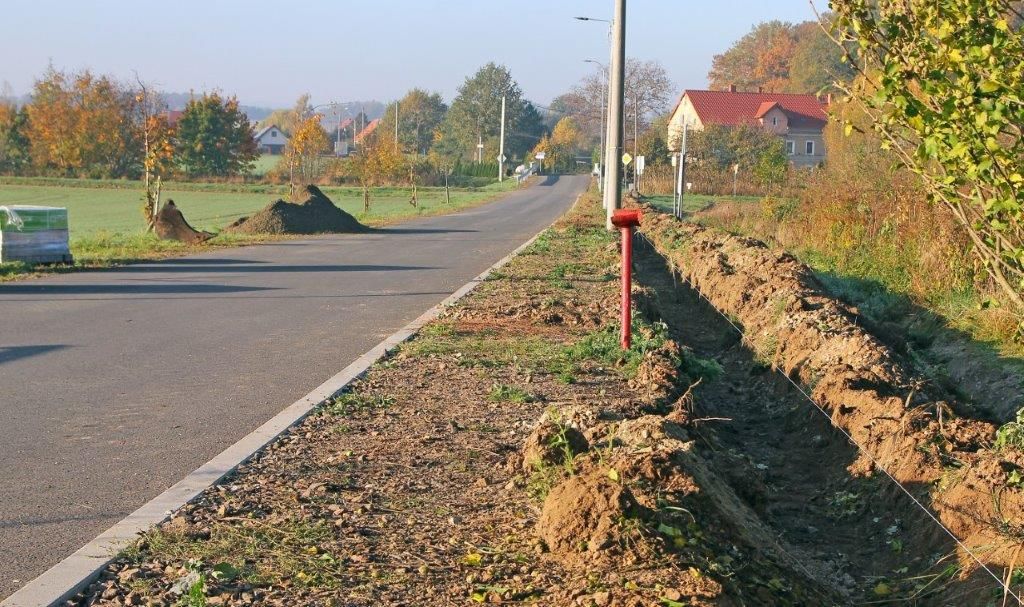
860,535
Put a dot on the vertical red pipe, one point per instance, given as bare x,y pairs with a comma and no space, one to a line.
627,282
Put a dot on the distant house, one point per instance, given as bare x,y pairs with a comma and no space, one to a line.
798,119
271,140
366,132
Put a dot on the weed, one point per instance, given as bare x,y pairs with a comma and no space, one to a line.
844,504
350,402
1011,435
504,393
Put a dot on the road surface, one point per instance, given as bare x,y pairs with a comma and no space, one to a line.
116,384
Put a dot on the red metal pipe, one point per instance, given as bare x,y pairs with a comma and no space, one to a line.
627,286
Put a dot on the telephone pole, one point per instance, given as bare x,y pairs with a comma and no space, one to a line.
501,146
617,77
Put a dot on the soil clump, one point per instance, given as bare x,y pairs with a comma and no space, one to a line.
315,215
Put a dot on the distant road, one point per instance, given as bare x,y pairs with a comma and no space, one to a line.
116,384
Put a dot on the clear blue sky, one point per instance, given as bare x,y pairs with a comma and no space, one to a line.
270,52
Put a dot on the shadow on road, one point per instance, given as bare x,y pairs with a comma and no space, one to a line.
410,231
132,289
13,353
258,269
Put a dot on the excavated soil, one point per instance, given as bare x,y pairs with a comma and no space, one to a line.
922,438
171,225
315,215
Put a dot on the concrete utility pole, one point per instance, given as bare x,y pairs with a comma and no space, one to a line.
613,182
501,146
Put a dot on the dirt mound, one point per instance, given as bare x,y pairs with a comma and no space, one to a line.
315,215
907,426
171,225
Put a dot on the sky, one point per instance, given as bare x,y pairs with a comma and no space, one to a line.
268,53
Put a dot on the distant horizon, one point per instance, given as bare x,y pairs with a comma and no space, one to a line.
398,45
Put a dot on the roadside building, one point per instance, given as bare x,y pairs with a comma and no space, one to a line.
271,140
797,119
366,132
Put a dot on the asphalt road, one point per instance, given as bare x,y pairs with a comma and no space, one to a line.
116,384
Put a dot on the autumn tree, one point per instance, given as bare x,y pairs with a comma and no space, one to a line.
79,124
14,144
154,134
475,115
420,114
215,137
305,150
378,162
780,57
560,148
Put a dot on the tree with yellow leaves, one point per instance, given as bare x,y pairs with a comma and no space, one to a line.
378,161
305,149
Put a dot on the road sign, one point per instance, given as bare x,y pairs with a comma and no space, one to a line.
641,164
502,158
626,159
539,156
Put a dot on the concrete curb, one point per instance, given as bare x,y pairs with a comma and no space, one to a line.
68,577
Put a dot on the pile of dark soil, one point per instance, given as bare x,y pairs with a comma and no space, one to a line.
315,215
171,225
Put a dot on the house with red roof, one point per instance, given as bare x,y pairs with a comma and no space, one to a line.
798,119
366,132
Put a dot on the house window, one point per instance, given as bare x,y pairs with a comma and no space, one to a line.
775,121
809,148
790,148
273,134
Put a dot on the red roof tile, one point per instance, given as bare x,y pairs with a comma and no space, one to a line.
724,107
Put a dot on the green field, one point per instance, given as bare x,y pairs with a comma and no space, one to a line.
96,210
107,226
264,163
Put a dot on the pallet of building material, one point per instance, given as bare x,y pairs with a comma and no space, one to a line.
33,234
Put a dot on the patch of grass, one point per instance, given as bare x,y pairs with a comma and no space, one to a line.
348,403
257,552
603,346
504,393
483,349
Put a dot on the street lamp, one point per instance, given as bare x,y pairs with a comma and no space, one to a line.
607,137
332,104
604,125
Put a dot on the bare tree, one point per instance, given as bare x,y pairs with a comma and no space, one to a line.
648,92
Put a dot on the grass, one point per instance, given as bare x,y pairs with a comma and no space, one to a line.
693,203
258,552
107,226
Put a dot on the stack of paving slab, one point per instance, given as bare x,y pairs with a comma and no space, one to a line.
34,234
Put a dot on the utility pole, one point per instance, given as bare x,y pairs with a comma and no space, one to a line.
682,171
396,123
501,146
613,184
